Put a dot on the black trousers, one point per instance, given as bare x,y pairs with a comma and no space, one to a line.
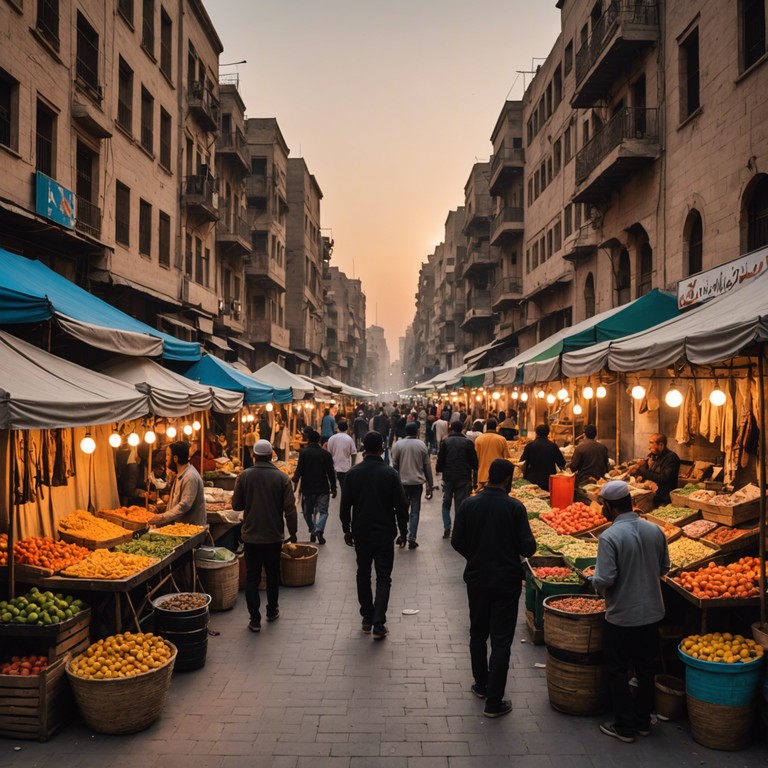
625,648
492,614
258,556
380,555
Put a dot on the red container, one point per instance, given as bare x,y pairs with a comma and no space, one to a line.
561,490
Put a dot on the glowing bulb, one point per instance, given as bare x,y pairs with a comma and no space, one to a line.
478,398
601,391
524,397
638,392
251,418
133,439
674,398
243,419
187,429
589,393
115,439
454,399
562,393
149,437
88,444
516,394
171,432
270,407
551,398
577,409
540,394
717,397
196,425
496,395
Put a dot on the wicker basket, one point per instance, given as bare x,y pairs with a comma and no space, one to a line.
221,581
299,571
123,705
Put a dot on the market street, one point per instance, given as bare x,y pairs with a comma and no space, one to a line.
312,690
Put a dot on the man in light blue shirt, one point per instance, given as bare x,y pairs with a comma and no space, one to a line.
632,556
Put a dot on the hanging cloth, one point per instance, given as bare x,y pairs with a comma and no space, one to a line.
688,420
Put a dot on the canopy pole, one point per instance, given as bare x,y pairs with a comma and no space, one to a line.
12,520
761,478
618,419
202,442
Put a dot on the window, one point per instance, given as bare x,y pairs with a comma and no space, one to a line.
87,67
198,261
48,21
164,240
188,256
645,277
585,133
577,216
549,170
530,191
542,249
122,214
529,131
145,228
568,220
584,34
693,237
589,296
623,279
567,140
165,139
148,27
166,44
9,90
206,263
259,242
535,185
548,100
689,75
527,259
557,153
549,244
543,175
557,87
558,244
125,8
535,254
147,115
568,58
757,215
125,96
752,31
45,137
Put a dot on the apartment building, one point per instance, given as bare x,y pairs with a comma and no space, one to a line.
378,367
418,361
267,211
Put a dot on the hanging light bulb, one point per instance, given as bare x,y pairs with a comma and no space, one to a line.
115,440
133,440
717,396
243,419
577,409
496,395
454,399
196,425
541,394
478,398
562,393
187,430
589,393
674,397
150,437
601,391
171,432
270,407
524,397
516,394
551,398
638,392
88,444
250,418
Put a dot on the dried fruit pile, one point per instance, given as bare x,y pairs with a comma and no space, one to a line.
124,655
740,579
133,513
88,526
671,513
698,528
103,564
724,534
578,605
578,548
574,518
722,648
180,529
685,551
184,601
557,574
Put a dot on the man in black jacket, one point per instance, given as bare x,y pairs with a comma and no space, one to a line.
318,478
373,508
492,533
661,467
542,458
457,461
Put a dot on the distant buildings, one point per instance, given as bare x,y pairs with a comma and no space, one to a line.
378,362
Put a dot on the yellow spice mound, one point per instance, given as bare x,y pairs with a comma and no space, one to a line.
103,564
88,526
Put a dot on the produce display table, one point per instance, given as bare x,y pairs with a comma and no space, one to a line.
222,521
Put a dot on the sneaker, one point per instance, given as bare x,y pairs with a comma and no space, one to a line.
320,537
379,631
412,544
501,709
367,627
447,533
644,731
254,625
609,729
478,690
274,616
312,537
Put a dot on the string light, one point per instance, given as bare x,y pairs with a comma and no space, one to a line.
524,397
551,398
562,393
115,440
196,425
250,417
589,393
478,398
133,440
717,397
577,409
88,444
150,437
638,392
516,394
601,392
270,407
187,429
171,432
541,394
674,397
496,395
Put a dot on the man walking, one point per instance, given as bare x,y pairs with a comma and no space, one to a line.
457,461
265,496
342,449
632,556
492,534
360,427
440,431
590,457
373,509
489,446
410,457
541,457
318,479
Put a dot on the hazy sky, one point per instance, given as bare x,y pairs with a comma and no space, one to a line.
390,103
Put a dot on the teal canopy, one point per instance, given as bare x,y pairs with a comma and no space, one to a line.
30,292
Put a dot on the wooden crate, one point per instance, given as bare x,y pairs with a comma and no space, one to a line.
730,516
716,556
94,543
35,707
679,500
123,522
536,633
748,538
52,640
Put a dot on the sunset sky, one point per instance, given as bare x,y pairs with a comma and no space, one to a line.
390,104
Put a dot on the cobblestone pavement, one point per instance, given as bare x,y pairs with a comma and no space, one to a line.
312,691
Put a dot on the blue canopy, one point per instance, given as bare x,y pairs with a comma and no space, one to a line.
30,292
213,372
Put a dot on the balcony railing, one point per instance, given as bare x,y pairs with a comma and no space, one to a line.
507,287
507,156
204,105
234,225
509,219
479,300
628,123
618,12
88,217
234,144
200,192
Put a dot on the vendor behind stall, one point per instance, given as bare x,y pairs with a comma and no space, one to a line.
662,467
590,457
186,502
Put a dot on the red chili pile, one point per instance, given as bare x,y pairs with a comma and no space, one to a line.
557,573
578,605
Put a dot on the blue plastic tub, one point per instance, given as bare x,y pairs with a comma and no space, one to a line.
731,685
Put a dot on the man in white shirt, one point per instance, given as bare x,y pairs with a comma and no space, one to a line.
440,429
342,448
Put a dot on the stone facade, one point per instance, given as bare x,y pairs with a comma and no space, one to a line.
345,338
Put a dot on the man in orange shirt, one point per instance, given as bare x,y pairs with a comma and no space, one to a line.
489,446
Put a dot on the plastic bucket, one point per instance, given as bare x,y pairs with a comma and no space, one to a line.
561,490
670,697
730,685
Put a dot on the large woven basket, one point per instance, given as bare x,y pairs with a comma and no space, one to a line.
126,704
221,582
298,571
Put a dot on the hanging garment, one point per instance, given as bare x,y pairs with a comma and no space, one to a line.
727,440
59,470
743,419
688,420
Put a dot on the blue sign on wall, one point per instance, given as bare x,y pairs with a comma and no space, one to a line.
53,201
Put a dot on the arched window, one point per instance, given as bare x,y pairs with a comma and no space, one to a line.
645,276
623,279
589,296
757,216
695,238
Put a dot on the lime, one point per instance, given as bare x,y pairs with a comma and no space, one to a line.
6,617
32,617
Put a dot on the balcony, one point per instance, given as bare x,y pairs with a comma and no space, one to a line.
200,197
88,217
259,267
203,106
507,292
479,310
479,260
581,244
477,217
507,224
233,231
627,143
267,332
626,29
233,148
505,163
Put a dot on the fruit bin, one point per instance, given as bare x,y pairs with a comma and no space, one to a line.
51,640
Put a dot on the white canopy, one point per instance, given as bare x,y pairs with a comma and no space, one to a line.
718,330
445,379
41,391
275,375
171,394
346,389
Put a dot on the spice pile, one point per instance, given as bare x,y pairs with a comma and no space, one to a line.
87,526
685,551
578,605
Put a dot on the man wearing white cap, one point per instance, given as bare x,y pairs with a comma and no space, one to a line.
265,496
632,556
